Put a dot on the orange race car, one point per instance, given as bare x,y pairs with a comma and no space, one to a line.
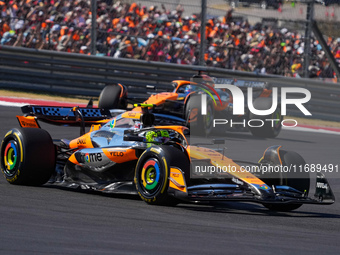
138,152
185,102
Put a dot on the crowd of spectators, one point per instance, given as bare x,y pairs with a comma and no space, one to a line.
159,34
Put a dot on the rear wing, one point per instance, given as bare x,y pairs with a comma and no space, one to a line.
70,116
242,83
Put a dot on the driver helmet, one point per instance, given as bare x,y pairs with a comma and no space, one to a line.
157,136
188,89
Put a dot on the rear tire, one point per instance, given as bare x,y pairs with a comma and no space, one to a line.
27,156
110,98
296,180
269,129
199,124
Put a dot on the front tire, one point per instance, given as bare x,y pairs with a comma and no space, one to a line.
199,124
27,156
153,171
269,129
296,180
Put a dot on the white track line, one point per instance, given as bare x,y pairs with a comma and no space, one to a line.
11,104
303,129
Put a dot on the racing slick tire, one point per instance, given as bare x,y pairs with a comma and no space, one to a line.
27,156
113,97
269,129
199,124
153,171
295,179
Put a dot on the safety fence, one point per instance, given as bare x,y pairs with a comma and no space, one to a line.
78,74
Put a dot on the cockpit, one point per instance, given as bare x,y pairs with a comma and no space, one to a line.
134,129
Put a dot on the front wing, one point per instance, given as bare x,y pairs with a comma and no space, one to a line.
256,193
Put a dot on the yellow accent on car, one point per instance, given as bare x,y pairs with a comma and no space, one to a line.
21,151
166,173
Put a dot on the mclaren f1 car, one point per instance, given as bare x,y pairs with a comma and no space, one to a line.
147,154
185,101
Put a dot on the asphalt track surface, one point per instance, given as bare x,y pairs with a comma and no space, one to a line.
51,220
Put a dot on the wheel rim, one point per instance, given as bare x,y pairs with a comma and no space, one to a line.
150,176
11,158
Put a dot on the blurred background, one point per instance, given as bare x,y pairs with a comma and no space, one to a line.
286,38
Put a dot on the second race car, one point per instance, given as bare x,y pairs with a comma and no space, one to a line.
185,101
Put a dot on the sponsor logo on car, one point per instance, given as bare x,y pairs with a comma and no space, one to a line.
263,186
113,123
117,153
81,141
92,157
321,185
27,124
